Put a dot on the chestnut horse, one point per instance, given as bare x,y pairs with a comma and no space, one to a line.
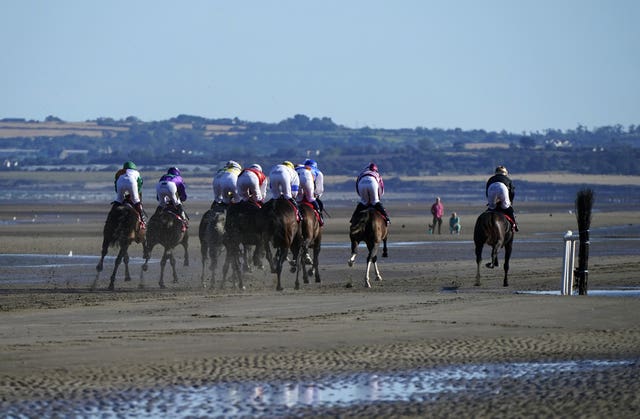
121,228
494,229
281,222
370,226
167,229
311,238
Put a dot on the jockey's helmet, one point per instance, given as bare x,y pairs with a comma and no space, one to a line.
288,164
256,166
173,171
311,163
129,165
501,170
373,167
231,164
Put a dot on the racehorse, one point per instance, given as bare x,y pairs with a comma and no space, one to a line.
211,232
281,230
121,228
167,229
311,238
370,226
243,231
494,229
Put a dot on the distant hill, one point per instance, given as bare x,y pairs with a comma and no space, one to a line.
194,140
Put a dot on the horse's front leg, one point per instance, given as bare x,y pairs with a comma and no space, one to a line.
478,261
127,275
367,283
385,253
507,256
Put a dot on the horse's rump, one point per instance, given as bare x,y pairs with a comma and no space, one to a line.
491,227
368,222
282,221
122,225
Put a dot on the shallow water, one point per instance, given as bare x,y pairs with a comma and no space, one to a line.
271,398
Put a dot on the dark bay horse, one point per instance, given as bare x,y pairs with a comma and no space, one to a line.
494,229
371,227
282,232
121,228
243,231
311,239
211,233
167,229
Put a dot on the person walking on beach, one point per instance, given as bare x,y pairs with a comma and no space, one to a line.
437,210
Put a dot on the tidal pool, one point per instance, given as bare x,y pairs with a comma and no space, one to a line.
257,398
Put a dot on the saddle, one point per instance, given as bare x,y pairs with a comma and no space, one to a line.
316,213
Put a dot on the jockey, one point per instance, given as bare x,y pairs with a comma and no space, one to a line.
252,184
171,189
370,188
225,189
318,179
306,192
500,190
128,180
285,182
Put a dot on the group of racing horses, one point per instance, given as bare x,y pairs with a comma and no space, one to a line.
273,230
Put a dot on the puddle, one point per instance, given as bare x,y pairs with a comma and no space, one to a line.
615,292
276,398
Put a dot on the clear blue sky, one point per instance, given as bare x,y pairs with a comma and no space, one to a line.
515,65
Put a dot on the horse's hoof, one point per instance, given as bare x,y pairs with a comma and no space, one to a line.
505,284
489,265
349,285
477,284
279,288
350,263
308,260
186,263
367,284
110,287
127,279
385,254
145,267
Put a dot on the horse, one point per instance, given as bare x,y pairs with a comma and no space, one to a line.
494,229
211,233
370,226
243,231
283,233
121,228
166,228
311,238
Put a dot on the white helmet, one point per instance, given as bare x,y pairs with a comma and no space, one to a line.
256,166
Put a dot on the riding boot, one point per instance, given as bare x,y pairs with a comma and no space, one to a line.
317,208
141,214
183,214
380,208
297,207
359,207
510,213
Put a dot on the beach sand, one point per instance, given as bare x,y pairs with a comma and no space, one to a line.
60,340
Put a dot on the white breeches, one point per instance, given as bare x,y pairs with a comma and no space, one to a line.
167,192
282,183
125,185
498,192
249,187
368,189
225,188
307,187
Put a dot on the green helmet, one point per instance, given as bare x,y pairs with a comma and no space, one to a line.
129,165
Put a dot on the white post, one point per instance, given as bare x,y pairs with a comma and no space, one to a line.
566,288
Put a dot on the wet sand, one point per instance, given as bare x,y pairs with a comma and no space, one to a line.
60,340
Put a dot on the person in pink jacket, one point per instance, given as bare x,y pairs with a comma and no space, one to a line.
437,210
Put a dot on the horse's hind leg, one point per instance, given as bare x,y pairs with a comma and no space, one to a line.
507,256
163,263
478,261
354,252
127,275
385,253
172,261
185,244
